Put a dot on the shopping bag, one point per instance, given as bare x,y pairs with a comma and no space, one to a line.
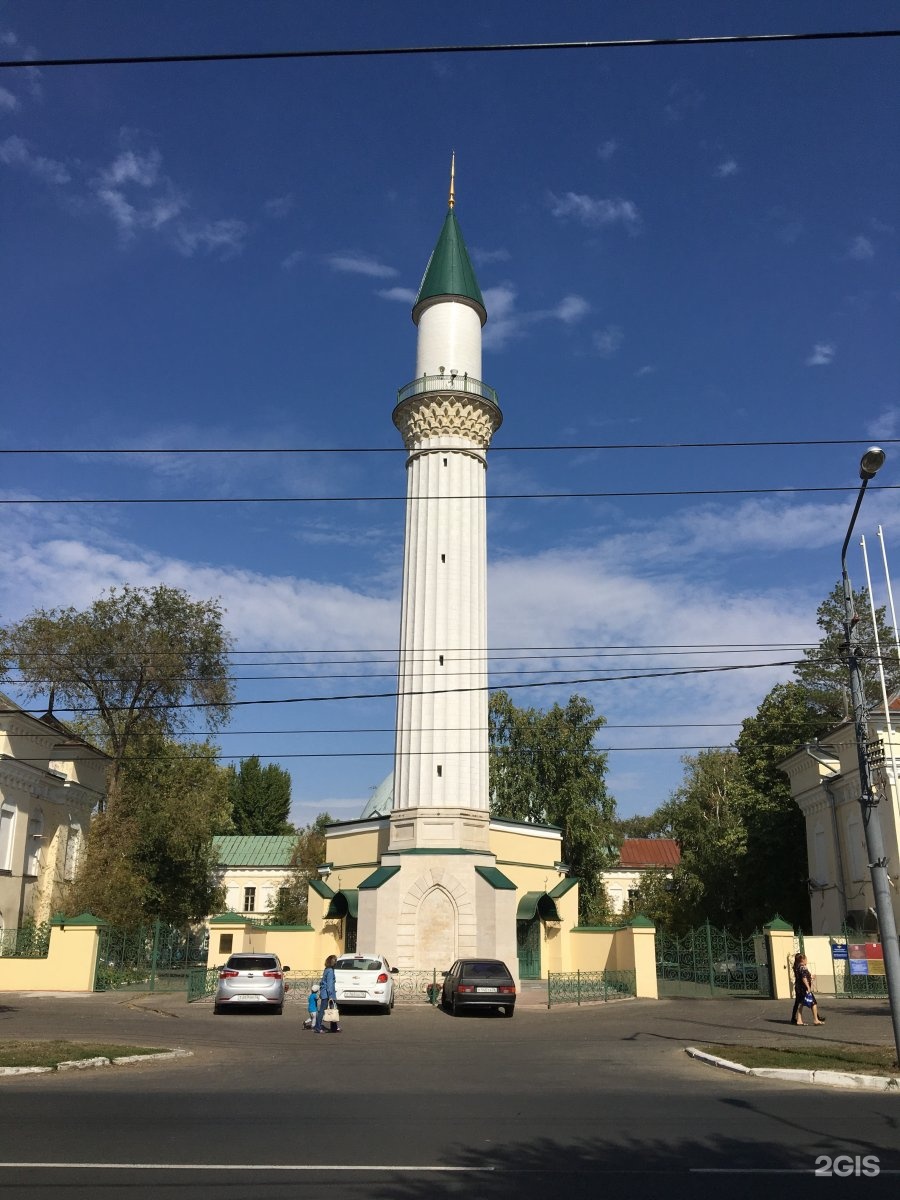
331,1015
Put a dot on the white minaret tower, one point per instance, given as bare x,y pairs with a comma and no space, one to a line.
447,418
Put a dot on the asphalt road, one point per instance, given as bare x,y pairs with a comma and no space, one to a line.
419,1106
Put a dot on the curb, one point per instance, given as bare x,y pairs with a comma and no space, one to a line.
835,1079
80,1064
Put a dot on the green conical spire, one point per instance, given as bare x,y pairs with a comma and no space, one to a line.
449,271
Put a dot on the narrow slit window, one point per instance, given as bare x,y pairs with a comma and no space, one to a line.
441,659
440,771
445,462
443,558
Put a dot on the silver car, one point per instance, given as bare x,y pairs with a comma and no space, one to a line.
251,981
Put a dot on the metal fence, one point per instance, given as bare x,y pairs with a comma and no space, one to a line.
709,961
589,987
152,958
452,382
410,987
31,941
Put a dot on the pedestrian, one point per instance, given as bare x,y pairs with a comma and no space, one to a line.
327,993
804,997
312,1007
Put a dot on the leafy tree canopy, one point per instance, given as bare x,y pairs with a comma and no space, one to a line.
292,904
129,661
260,798
545,769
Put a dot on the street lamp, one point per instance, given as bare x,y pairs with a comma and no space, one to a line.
870,464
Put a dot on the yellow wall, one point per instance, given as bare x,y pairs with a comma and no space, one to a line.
70,965
512,847
360,849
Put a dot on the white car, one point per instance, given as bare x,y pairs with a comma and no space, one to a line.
364,979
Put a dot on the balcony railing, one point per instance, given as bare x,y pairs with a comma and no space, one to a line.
451,382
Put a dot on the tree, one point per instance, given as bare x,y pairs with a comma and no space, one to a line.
824,671
150,853
260,798
130,661
546,769
704,817
292,904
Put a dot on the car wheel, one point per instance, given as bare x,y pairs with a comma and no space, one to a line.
454,1008
387,1009
218,1010
509,1010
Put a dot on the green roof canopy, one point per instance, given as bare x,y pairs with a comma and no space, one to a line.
344,904
245,850
377,878
496,879
449,271
537,902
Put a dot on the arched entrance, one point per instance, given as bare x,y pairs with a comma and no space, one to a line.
533,907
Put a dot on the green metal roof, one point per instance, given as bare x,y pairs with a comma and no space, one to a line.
241,850
321,888
537,902
496,879
377,878
562,887
449,271
345,903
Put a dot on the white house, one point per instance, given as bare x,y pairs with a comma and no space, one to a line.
252,869
50,782
638,856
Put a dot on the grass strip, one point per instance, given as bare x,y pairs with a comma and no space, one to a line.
858,1060
51,1053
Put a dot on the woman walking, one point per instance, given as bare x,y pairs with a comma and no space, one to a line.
327,993
804,997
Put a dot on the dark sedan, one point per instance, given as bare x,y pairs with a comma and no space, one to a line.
479,983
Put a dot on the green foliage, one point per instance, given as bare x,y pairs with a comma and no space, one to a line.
824,671
150,853
545,769
292,904
128,661
260,798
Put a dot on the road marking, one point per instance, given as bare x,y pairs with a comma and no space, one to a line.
108,1166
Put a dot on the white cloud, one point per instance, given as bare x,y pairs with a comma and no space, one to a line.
402,294
15,152
727,168
292,259
647,369
278,207
822,355
608,341
596,211
885,425
881,226
860,249
485,257
8,101
607,149
361,264
225,236
571,309
684,98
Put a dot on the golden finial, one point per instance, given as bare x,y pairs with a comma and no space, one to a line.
452,178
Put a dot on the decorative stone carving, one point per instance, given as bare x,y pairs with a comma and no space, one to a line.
436,415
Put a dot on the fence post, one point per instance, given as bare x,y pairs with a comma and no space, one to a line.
709,958
549,988
578,991
153,954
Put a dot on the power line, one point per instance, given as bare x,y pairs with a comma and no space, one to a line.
393,695
483,48
568,447
193,500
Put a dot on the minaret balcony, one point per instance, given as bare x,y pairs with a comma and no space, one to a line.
450,382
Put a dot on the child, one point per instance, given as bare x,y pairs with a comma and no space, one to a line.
312,1007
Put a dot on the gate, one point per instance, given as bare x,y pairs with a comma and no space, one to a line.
528,945
148,958
709,962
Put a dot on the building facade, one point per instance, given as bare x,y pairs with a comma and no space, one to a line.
50,783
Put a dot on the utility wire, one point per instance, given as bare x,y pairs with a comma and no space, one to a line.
569,447
393,695
484,48
772,491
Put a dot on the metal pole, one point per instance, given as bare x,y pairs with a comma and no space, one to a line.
890,592
878,862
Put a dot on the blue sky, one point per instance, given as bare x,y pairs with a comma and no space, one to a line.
689,244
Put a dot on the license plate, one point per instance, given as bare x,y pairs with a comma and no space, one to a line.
478,989
249,1000
349,994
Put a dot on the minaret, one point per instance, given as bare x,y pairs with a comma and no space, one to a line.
447,417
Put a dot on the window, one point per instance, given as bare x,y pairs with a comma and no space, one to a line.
34,843
249,899
7,830
226,942
73,851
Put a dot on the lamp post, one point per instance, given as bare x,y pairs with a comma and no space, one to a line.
870,464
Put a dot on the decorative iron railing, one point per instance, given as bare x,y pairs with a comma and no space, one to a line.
154,958
31,941
451,382
589,987
201,981
418,987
